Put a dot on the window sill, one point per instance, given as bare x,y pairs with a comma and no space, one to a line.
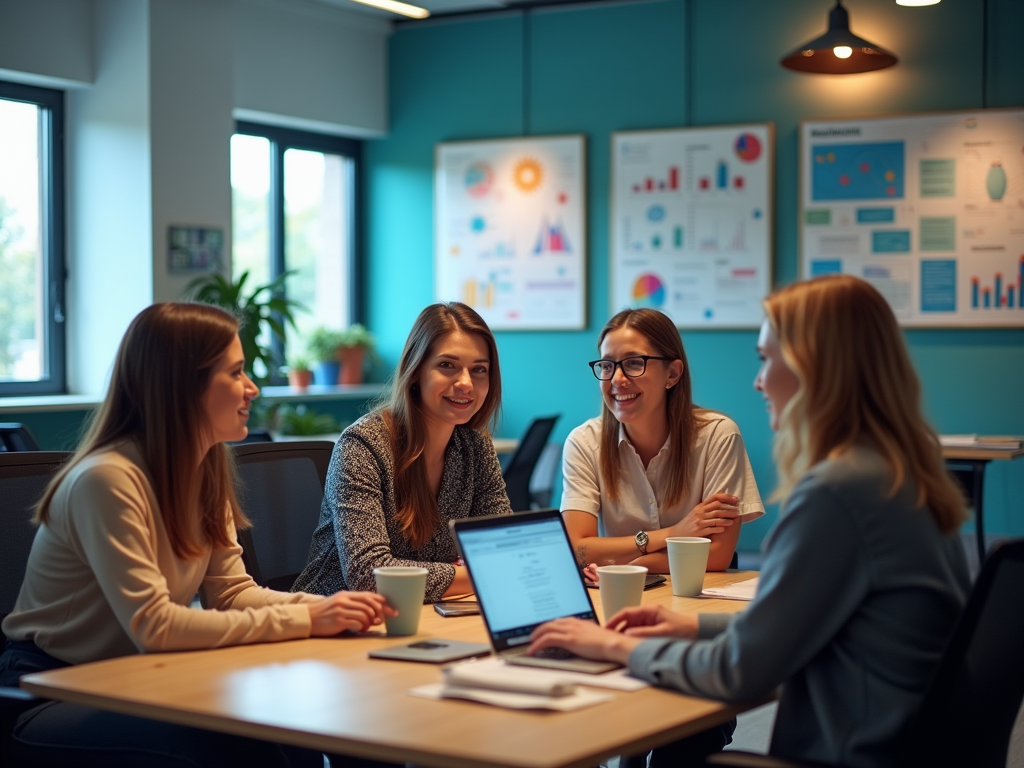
41,403
322,392
54,403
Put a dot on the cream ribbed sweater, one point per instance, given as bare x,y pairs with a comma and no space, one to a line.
103,581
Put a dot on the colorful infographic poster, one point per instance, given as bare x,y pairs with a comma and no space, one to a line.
509,229
691,230
927,208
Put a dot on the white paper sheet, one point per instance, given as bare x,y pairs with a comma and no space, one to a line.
579,700
744,590
497,670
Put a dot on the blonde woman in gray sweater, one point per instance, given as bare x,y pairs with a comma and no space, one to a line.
863,577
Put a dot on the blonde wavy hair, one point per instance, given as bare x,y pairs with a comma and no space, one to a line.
857,385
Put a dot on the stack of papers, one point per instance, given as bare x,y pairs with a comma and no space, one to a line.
491,681
989,442
744,590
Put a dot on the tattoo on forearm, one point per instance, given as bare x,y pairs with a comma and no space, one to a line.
581,555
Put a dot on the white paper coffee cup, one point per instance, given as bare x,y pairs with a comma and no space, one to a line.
403,587
687,563
621,586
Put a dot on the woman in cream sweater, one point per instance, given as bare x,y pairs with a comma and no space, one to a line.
141,519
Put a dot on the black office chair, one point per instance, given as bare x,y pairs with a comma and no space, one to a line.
16,437
281,489
23,478
968,713
542,481
520,467
255,436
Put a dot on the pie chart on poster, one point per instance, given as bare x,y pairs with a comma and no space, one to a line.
648,292
748,147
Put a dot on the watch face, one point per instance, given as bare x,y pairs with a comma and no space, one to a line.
642,538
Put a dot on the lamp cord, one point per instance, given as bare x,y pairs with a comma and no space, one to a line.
984,54
688,79
526,72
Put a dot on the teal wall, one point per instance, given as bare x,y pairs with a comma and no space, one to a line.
598,69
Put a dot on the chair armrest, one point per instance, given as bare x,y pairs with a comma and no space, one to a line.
738,759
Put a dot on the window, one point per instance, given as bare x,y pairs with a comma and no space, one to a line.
294,210
31,240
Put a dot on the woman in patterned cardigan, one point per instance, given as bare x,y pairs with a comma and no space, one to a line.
400,473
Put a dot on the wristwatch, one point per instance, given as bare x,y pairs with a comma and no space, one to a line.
641,540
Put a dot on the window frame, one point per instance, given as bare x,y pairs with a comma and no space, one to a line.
282,139
52,245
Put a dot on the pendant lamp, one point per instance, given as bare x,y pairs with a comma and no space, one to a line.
838,51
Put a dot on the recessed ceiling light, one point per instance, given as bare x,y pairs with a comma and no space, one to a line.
395,6
917,3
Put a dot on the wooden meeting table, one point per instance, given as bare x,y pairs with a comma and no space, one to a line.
325,694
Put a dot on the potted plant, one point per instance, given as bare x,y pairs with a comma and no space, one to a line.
323,346
300,420
265,306
300,375
356,344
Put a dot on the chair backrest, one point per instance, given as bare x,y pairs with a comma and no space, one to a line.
969,711
255,436
23,478
520,467
16,437
542,481
281,489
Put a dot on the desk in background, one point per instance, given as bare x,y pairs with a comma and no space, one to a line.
326,694
505,445
974,460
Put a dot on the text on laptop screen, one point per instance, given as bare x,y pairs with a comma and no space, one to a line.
524,574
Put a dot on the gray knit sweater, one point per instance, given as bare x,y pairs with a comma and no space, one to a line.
858,596
358,530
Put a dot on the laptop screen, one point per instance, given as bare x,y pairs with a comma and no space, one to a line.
524,573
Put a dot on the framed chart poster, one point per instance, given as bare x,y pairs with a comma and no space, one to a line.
691,229
510,231
928,208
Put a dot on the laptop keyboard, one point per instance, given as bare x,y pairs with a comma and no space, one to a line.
555,653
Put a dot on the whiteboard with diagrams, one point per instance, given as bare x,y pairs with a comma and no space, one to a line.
510,230
928,208
691,223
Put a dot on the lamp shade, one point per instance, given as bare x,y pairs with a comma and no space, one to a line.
838,51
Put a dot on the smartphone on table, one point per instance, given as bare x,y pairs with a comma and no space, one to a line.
457,608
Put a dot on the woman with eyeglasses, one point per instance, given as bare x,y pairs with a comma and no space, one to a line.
653,465
864,576
400,473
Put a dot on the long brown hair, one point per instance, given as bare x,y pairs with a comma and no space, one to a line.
156,395
683,424
857,384
417,511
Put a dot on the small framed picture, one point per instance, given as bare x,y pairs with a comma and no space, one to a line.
194,249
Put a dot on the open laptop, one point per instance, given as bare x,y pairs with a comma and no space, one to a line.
524,574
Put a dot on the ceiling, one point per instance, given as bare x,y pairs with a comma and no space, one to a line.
450,7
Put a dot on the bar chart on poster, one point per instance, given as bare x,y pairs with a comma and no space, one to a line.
928,208
691,223
691,215
509,230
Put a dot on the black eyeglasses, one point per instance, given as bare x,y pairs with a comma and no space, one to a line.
631,366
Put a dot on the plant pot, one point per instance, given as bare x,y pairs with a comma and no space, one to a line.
327,373
351,364
300,379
